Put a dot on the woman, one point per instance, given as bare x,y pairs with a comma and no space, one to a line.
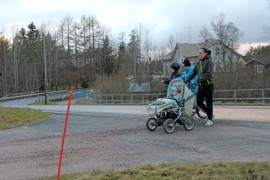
204,68
188,69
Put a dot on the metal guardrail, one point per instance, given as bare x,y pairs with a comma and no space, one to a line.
235,96
21,96
239,95
120,98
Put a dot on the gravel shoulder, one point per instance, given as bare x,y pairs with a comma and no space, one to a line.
102,141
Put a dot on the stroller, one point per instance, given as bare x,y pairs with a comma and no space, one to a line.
166,114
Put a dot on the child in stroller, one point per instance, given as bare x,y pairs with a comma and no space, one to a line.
173,94
176,108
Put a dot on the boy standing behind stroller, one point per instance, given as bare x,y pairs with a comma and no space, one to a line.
188,69
175,74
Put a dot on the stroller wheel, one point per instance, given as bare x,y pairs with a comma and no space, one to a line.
189,123
168,126
151,124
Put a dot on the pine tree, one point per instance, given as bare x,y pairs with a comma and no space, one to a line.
134,50
108,58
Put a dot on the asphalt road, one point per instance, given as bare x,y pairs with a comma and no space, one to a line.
20,102
105,137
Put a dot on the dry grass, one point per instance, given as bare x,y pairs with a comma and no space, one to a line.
217,171
15,117
113,84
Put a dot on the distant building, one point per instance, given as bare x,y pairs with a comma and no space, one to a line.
225,58
136,87
256,66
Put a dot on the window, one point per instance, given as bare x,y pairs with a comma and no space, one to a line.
178,55
218,51
259,69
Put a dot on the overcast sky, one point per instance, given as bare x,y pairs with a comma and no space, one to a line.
181,18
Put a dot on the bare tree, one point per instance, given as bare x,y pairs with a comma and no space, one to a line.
83,40
16,47
76,48
267,27
205,35
267,31
122,37
147,46
4,45
67,28
50,35
226,34
141,65
135,51
171,42
62,54
94,38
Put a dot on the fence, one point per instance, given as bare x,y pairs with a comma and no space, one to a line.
243,95
87,96
21,96
120,98
235,96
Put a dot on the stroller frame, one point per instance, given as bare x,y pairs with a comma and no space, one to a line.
170,116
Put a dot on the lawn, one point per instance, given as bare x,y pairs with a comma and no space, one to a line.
222,171
15,117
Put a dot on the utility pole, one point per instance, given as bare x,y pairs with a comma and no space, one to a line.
5,68
45,64
189,35
149,72
5,59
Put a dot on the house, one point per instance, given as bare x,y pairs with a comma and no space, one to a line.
225,58
241,62
180,52
255,65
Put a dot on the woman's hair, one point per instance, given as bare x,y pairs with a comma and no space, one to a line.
186,63
206,51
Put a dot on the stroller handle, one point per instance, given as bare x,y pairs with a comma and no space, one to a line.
191,85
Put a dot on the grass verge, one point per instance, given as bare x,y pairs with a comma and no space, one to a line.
222,171
15,117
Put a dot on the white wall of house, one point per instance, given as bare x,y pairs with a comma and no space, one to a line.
166,69
217,56
193,60
178,57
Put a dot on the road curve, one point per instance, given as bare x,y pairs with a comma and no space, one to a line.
106,136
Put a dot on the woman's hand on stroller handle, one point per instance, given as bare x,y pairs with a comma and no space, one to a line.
190,85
